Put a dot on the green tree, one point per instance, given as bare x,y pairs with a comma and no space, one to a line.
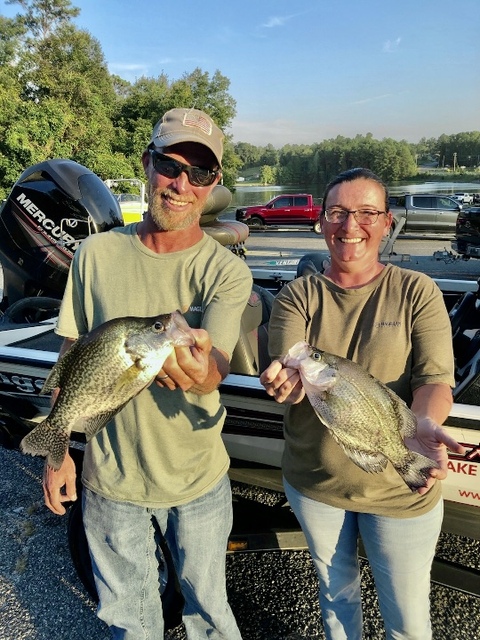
44,17
58,94
248,153
269,156
57,98
231,164
267,174
140,106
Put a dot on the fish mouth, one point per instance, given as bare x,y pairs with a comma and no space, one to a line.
180,332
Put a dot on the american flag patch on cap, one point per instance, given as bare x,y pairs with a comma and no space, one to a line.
192,119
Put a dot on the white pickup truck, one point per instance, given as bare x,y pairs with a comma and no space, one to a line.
463,198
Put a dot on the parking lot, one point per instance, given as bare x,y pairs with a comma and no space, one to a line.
431,254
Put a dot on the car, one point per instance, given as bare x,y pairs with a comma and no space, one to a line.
467,233
131,207
425,212
463,198
396,201
296,209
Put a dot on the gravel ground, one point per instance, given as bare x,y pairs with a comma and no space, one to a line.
273,594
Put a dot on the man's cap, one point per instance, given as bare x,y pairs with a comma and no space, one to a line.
188,125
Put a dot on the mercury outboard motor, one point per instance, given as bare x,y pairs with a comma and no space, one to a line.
53,206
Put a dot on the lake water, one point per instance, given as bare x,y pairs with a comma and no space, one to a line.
250,195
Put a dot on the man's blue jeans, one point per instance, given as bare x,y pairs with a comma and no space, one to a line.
400,553
125,564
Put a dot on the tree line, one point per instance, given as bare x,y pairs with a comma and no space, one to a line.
391,159
58,100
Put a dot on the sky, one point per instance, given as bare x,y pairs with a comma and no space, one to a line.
303,72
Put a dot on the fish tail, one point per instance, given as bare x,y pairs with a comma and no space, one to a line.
46,440
415,470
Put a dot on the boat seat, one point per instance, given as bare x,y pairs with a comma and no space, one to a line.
467,388
465,321
313,262
250,356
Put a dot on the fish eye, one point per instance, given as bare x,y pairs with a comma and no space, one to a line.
316,355
159,326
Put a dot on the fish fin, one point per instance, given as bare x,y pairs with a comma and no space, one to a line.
127,378
369,462
93,425
45,440
54,378
415,470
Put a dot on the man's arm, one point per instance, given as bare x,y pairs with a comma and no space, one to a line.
60,486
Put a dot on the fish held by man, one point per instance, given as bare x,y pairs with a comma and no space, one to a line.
366,418
99,374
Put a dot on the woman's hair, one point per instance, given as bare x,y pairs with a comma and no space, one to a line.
356,174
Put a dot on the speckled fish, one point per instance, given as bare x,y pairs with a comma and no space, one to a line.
366,418
99,374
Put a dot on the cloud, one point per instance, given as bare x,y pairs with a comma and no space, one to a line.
280,21
276,21
372,98
391,45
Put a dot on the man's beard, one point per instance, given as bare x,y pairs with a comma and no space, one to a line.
164,218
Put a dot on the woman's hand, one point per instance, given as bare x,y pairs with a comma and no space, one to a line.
432,441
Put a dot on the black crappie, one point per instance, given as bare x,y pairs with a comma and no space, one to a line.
366,418
99,374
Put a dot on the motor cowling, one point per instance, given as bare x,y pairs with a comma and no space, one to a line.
52,207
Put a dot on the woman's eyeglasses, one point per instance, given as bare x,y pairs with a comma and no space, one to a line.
170,168
362,216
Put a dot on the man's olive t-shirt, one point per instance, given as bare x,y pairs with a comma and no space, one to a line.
164,448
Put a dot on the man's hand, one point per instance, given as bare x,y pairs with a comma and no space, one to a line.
60,486
199,368
282,383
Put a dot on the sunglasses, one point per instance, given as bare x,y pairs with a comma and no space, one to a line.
170,168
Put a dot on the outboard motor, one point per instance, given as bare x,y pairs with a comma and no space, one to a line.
52,207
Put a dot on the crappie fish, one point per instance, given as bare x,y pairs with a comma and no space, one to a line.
366,418
99,374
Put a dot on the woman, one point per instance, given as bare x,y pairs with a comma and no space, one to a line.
393,322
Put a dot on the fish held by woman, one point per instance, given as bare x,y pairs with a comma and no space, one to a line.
366,418
102,371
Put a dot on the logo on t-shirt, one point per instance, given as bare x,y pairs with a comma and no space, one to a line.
387,323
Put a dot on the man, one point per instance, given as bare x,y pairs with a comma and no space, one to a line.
162,457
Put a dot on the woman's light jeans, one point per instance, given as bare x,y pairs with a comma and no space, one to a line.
400,553
125,564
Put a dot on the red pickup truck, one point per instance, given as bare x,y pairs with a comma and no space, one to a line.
297,209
